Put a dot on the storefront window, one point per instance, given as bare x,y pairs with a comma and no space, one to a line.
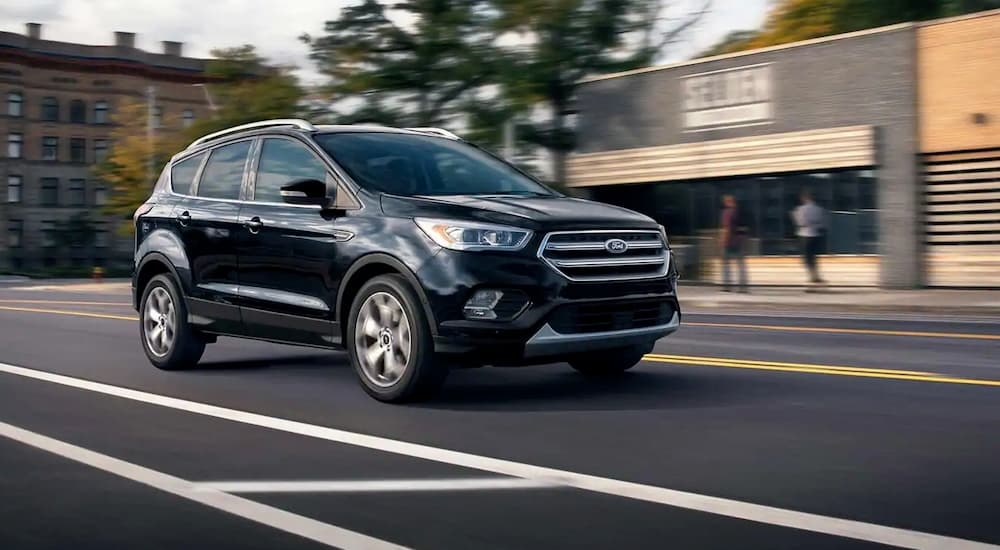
691,210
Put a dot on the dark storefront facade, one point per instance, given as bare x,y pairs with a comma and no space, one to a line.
836,116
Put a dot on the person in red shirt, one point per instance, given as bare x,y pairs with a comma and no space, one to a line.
732,244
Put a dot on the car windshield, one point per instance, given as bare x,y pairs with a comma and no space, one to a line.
408,164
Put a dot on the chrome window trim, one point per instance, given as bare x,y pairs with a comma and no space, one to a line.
599,278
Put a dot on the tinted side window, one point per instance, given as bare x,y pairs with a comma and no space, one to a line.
223,173
281,162
182,174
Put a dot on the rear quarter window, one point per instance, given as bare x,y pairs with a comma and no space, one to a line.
182,174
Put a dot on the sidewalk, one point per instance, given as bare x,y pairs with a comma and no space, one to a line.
944,302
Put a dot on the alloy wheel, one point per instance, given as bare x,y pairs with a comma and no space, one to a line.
382,339
159,322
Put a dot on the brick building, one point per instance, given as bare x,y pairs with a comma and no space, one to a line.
56,103
894,129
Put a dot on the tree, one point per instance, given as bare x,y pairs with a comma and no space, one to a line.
246,88
134,160
794,20
412,74
734,41
563,41
79,231
243,86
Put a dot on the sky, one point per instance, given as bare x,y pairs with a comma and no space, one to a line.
272,25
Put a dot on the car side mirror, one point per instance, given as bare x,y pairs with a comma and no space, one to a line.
310,192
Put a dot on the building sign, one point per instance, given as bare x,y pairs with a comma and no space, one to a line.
727,98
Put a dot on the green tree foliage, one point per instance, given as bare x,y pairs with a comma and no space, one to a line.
243,87
246,88
562,41
410,63
734,41
794,20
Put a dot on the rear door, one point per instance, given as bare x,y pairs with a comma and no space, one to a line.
289,268
209,222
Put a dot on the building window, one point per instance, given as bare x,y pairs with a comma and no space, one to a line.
188,118
100,150
15,104
102,238
78,112
78,150
77,192
101,112
14,188
100,195
157,117
14,145
50,148
15,233
50,109
50,192
691,210
48,230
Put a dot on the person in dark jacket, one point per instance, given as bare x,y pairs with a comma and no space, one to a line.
732,244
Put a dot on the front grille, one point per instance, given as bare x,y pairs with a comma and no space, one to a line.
610,316
592,256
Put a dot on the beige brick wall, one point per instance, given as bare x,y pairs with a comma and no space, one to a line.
959,76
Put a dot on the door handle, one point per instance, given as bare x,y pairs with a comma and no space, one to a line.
184,218
254,224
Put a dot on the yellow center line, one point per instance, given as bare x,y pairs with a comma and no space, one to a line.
66,303
71,313
693,360
821,369
870,332
723,360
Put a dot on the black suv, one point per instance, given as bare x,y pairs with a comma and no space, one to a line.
413,249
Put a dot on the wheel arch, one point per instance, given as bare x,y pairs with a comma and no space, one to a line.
368,267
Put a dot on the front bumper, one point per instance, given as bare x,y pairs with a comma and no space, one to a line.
541,332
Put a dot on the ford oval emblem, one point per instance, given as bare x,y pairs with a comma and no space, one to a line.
615,246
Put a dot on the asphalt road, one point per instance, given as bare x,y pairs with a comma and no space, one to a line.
741,431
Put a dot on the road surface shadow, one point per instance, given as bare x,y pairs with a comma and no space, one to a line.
291,362
558,388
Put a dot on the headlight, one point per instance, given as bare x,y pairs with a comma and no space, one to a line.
463,235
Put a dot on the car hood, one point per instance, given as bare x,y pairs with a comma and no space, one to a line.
557,212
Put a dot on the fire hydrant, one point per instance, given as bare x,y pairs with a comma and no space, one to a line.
98,273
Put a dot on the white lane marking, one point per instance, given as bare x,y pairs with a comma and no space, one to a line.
851,529
375,485
325,533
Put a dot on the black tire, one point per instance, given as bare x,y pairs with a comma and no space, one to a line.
423,373
609,362
187,345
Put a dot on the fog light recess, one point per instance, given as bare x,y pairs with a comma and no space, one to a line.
481,305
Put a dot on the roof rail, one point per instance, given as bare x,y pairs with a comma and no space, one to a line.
297,122
436,131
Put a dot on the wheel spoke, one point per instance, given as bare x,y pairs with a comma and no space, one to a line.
370,328
403,340
372,355
393,368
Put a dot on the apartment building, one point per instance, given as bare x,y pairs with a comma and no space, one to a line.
57,100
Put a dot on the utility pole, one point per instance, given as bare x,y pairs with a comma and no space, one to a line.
150,130
508,139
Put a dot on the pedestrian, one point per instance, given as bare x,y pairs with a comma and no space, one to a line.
810,220
732,244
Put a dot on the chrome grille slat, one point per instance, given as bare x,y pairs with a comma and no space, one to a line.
583,255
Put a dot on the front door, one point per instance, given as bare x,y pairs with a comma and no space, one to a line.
209,226
288,253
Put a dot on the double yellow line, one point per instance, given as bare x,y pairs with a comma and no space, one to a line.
862,372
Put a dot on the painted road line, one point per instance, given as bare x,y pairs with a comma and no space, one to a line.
829,330
327,534
723,360
70,313
758,513
857,331
940,379
66,303
376,485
